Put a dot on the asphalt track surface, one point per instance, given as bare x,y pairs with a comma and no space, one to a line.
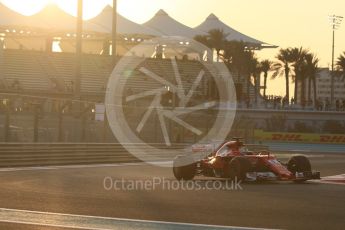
80,190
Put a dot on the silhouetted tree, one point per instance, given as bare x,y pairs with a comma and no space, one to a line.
341,65
235,57
203,39
313,71
217,40
255,70
283,68
266,66
297,57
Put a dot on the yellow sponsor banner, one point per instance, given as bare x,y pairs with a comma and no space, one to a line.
299,137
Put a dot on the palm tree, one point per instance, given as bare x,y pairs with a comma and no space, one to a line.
266,66
283,67
255,70
250,68
302,77
217,40
233,54
297,57
203,39
312,72
341,65
235,58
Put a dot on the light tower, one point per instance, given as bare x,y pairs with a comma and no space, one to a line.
335,23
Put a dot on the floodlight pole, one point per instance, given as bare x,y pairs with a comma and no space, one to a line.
79,38
332,68
114,33
78,64
335,22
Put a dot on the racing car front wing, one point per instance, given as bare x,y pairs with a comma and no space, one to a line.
270,176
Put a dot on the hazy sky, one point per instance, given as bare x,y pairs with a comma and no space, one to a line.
280,22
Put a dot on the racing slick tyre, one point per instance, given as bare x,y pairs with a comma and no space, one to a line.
184,168
238,168
299,163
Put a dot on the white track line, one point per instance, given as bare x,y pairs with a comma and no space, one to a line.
336,179
96,222
327,182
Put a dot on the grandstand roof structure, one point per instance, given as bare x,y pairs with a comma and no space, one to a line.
14,19
213,22
168,26
103,23
52,20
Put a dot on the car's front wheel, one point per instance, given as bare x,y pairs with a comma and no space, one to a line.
184,168
299,163
238,168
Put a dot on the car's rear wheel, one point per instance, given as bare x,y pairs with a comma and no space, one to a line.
299,163
184,168
238,168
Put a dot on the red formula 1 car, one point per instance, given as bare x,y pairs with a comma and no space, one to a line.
232,160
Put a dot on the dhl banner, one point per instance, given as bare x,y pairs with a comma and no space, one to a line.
299,137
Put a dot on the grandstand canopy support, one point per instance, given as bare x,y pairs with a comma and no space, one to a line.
79,51
114,32
37,112
60,126
7,129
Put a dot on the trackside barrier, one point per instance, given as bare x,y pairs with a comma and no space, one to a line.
304,147
43,154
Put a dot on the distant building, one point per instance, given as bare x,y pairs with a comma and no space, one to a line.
323,86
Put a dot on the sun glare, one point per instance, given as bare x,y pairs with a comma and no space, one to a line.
26,7
140,11
136,10
91,7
